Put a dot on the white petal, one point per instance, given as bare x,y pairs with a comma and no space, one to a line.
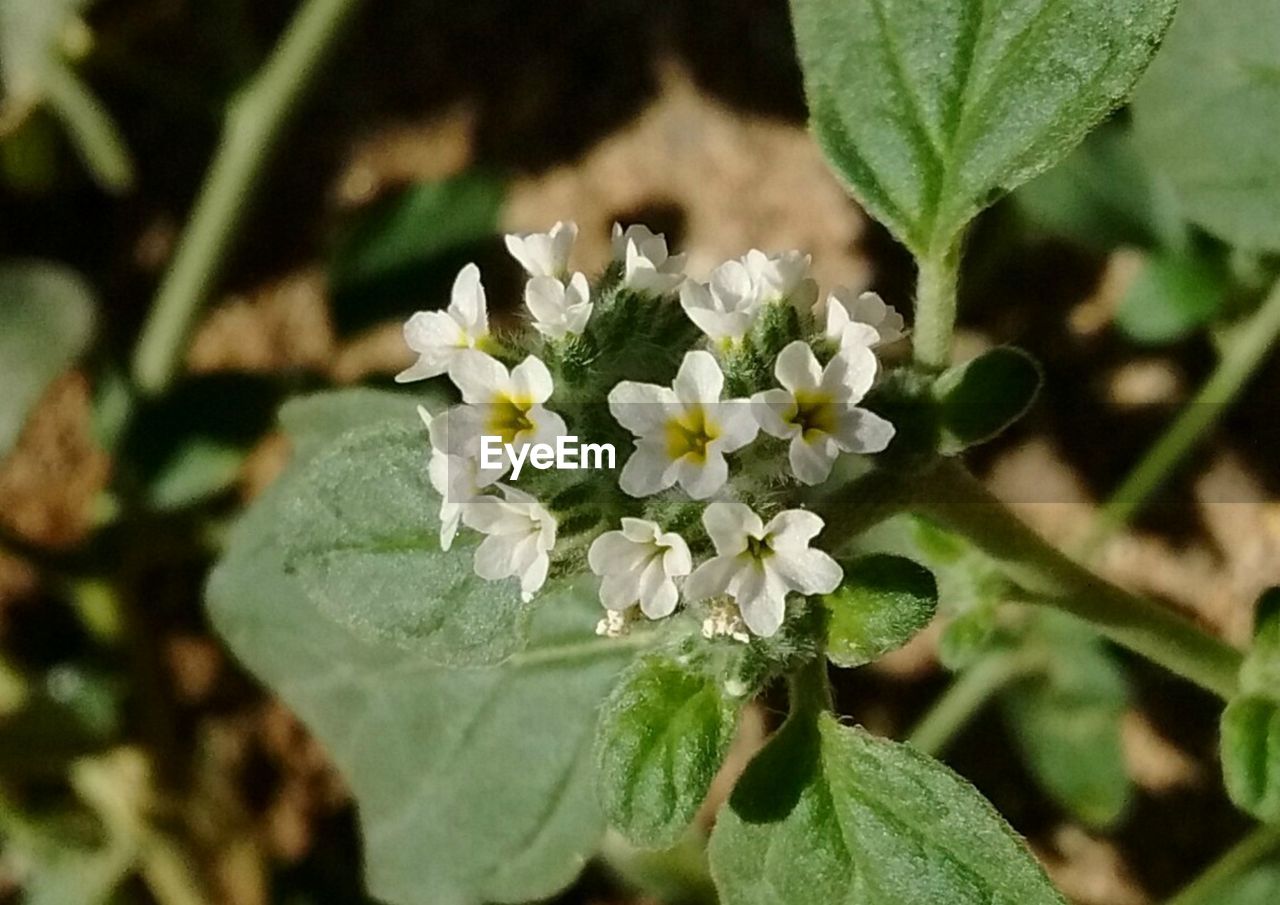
737,424
853,370
496,518
563,235
712,578
858,336
544,297
773,411
427,365
468,301
793,529
534,577
640,531
862,431
612,553
699,379
811,461
428,331
761,598
450,519
702,478
655,602
676,561
797,367
729,525
496,556
647,471
808,571
619,591
531,380
479,376
641,408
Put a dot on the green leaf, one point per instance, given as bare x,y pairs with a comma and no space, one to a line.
829,814
93,132
362,535
1066,721
1251,755
932,111
1171,297
406,243
1103,196
663,734
983,397
472,785
314,421
881,605
1260,673
46,321
1206,115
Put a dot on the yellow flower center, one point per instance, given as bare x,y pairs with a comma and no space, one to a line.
689,434
508,418
814,414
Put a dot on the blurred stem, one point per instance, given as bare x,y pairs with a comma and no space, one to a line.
967,695
254,122
1242,354
957,500
810,687
1206,888
936,298
674,876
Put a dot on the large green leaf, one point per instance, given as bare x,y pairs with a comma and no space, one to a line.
829,814
932,110
362,536
46,320
472,785
663,735
1207,116
881,604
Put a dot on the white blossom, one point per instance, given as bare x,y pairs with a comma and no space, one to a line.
544,254
503,404
817,408
725,308
521,533
647,265
782,277
439,337
458,480
639,565
853,320
682,432
758,564
558,309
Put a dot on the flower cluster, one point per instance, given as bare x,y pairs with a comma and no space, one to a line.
752,392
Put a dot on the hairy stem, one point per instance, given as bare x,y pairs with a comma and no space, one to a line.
968,695
1242,354
955,498
254,122
1264,842
936,299
810,687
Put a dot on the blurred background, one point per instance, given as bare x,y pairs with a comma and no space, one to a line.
139,763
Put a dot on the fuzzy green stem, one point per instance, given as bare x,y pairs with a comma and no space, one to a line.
936,299
1264,842
810,687
254,122
967,695
1242,354
957,500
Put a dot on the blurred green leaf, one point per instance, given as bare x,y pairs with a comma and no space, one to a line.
395,248
664,732
362,535
94,134
1260,673
46,322
1173,296
1103,196
1066,720
932,111
1206,117
828,813
1258,884
982,398
472,785
880,606
1251,755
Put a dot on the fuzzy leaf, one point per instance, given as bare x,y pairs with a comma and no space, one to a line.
881,605
1251,755
827,813
471,785
1066,721
46,321
983,397
932,111
663,734
362,535
1206,116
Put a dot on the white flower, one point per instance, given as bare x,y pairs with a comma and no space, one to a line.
639,564
725,308
440,336
647,267
758,564
682,433
851,321
458,480
501,404
782,277
544,254
817,408
521,533
558,309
